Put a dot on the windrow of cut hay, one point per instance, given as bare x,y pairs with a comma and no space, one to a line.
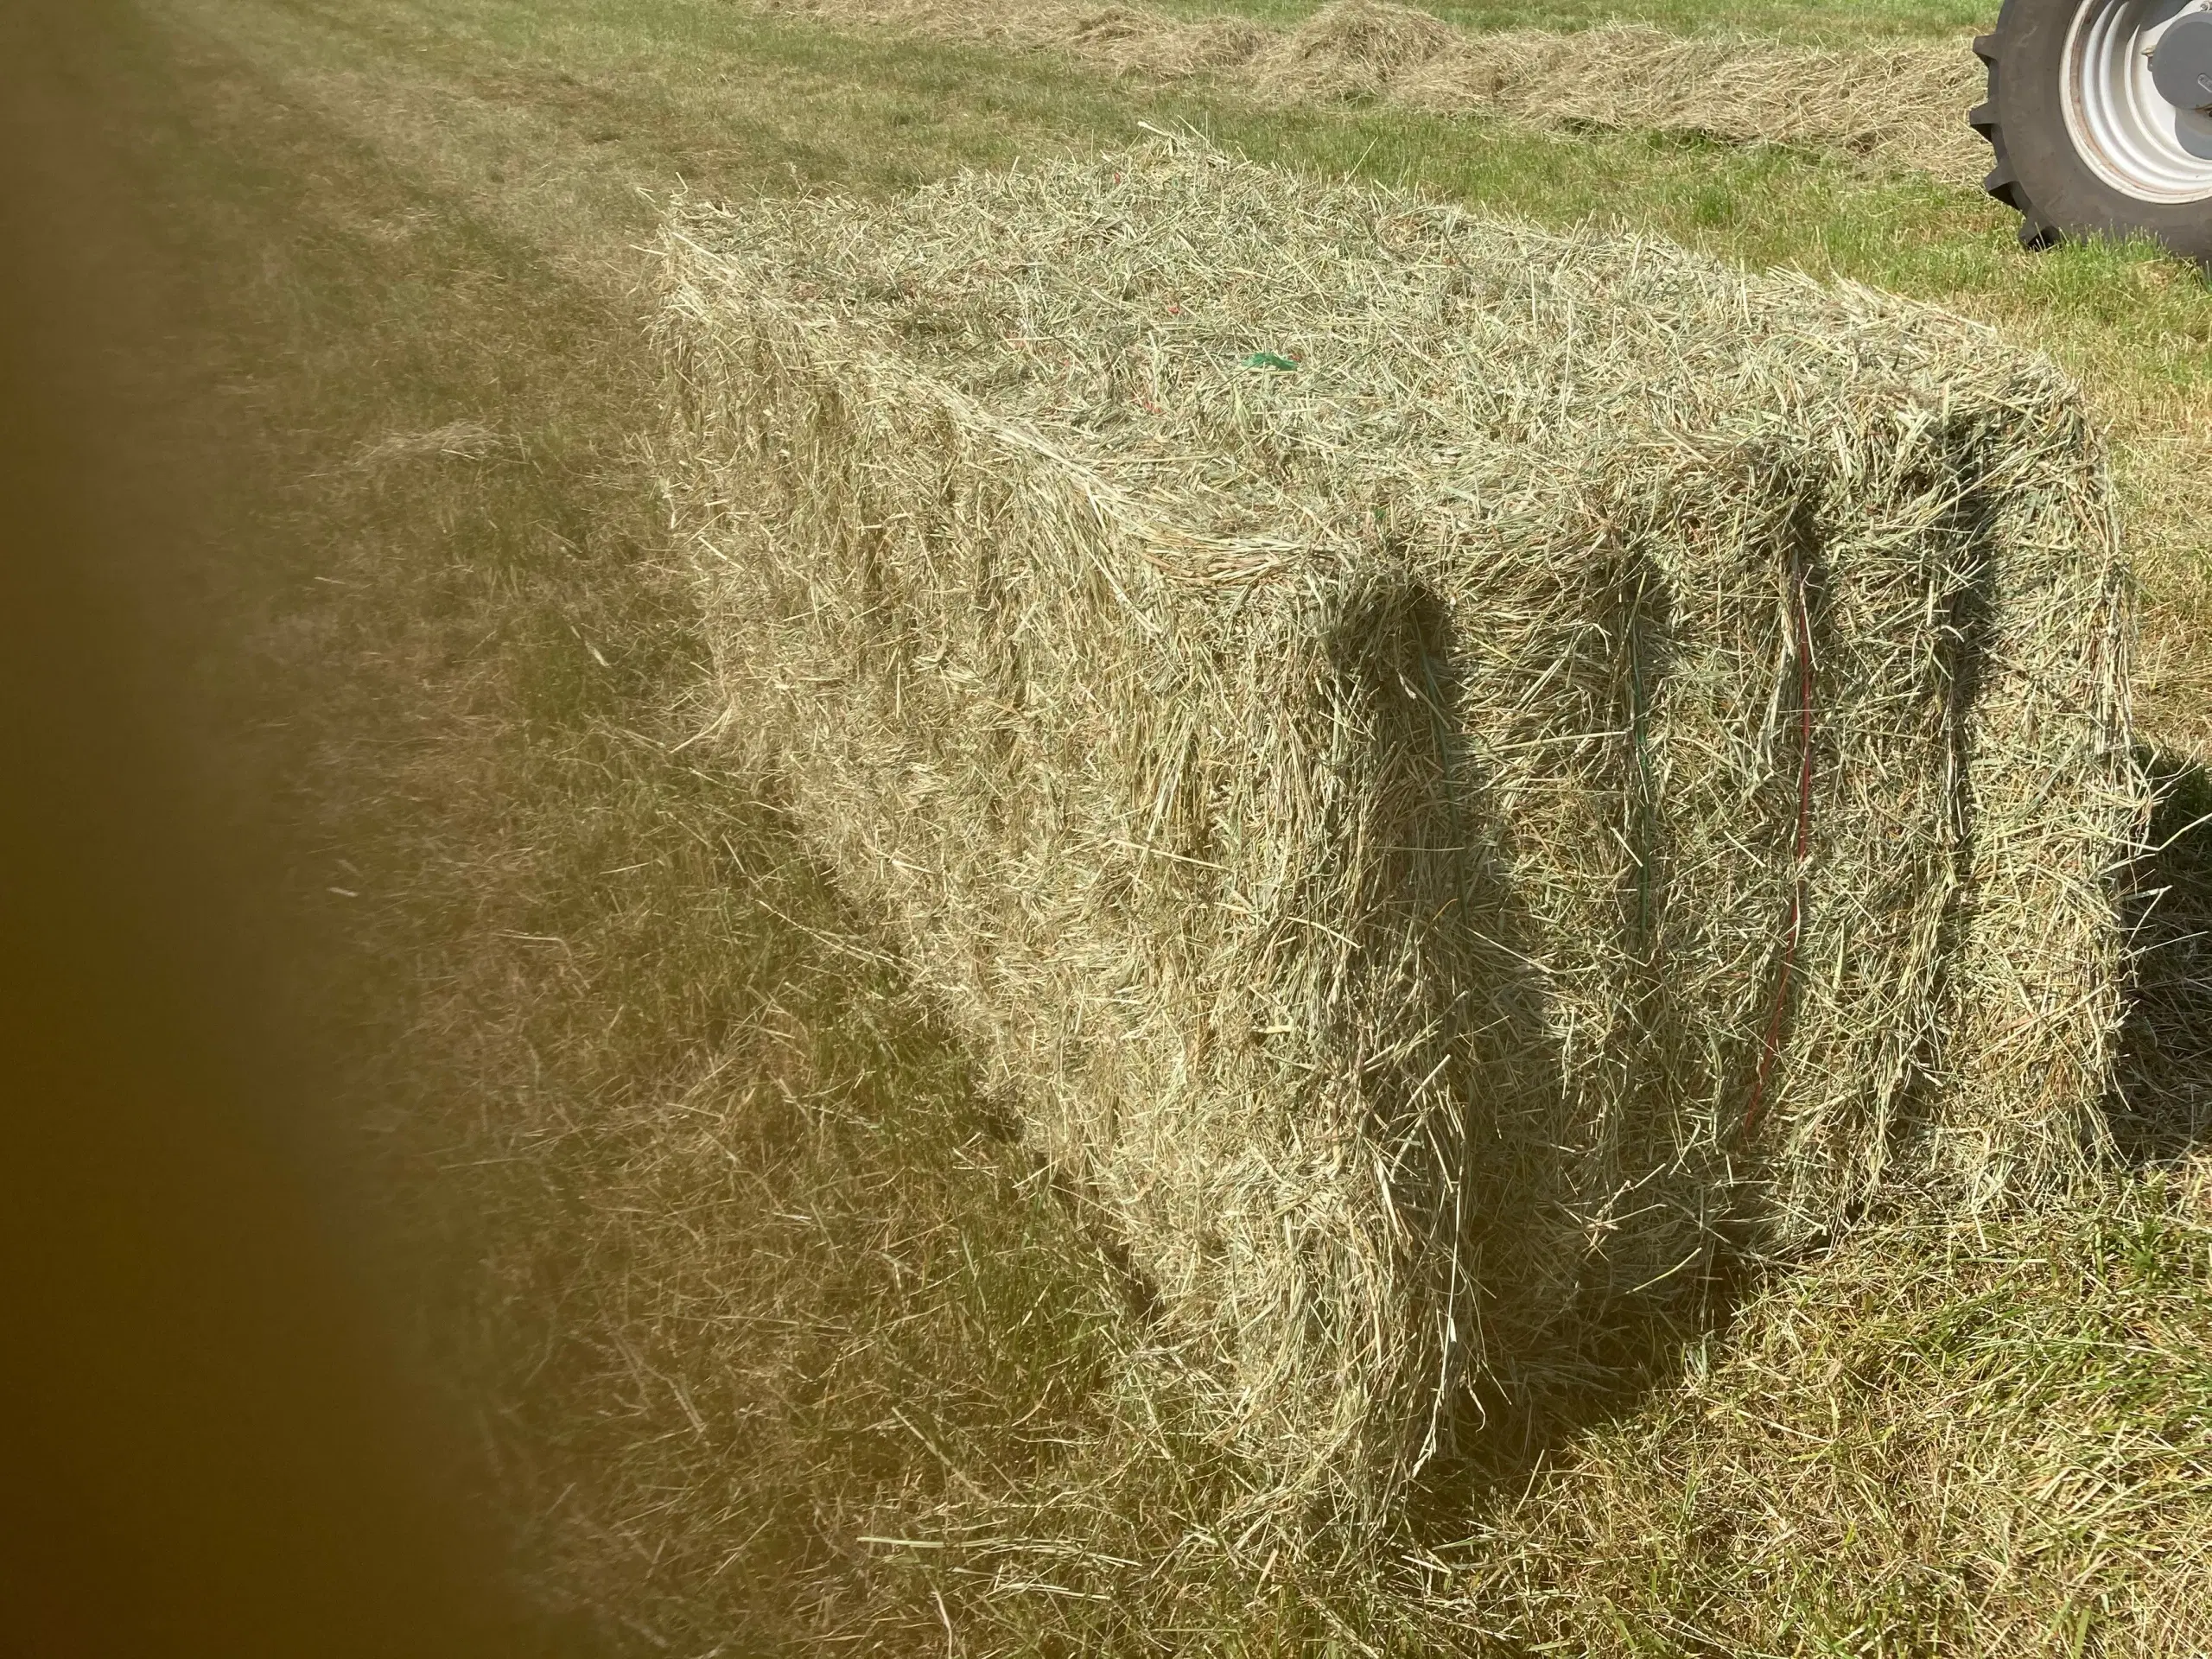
1900,104
1458,775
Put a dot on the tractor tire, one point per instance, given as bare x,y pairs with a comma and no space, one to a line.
2085,145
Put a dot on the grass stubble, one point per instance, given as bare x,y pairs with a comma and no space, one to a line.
778,1337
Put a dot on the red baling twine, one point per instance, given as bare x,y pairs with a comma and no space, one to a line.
1794,927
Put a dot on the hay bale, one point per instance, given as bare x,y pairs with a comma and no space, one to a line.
1456,773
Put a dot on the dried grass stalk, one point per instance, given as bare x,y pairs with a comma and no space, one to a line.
1457,773
1901,105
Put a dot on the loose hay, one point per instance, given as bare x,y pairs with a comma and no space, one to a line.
1901,105
1458,775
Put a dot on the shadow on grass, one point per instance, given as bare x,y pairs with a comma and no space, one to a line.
2163,1103
1537,1410
2161,1109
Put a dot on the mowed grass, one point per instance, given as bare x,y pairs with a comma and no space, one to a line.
1812,22
778,1338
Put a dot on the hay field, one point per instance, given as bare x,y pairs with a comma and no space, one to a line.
1826,23
778,1337
1893,105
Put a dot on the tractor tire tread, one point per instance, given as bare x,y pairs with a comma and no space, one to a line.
2041,176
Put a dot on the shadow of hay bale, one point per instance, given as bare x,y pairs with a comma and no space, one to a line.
2162,1104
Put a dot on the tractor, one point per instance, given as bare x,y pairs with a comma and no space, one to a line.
2099,113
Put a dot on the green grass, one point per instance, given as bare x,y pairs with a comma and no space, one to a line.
707,1223
1940,1440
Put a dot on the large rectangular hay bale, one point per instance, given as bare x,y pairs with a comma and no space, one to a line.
1454,772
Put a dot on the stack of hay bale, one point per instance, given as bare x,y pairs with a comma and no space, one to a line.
1458,775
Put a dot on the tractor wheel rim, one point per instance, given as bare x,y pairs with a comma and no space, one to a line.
2129,135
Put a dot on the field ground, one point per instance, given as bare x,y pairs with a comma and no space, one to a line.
1844,21
740,1276
1808,22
